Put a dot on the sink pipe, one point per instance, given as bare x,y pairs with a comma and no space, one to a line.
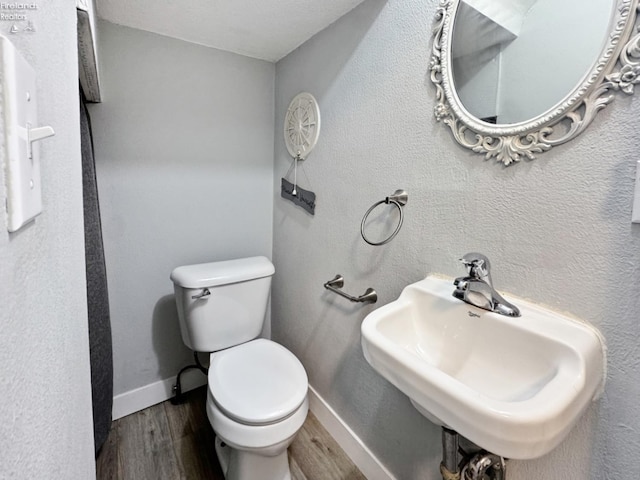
481,465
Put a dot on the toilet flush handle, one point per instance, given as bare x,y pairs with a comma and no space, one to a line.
205,293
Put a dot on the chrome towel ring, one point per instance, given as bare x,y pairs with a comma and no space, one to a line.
399,199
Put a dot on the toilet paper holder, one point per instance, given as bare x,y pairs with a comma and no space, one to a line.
337,282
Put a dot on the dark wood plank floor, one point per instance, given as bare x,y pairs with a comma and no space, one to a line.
167,442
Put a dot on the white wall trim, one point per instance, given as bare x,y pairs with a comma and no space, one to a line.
135,400
357,451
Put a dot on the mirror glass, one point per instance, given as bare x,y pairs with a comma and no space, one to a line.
513,60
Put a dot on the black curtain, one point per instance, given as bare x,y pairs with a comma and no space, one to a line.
97,294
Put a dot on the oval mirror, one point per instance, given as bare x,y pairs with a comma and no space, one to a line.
553,43
516,77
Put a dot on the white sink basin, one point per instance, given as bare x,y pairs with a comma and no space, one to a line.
513,386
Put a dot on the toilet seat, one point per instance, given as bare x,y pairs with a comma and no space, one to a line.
257,383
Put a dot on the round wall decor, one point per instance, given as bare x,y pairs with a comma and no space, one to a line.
302,125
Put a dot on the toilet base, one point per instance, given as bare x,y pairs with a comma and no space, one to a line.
242,464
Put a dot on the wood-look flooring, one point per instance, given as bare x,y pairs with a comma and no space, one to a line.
167,442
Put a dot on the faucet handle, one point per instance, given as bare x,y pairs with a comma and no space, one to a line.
478,265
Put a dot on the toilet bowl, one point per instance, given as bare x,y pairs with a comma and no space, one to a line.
256,403
257,389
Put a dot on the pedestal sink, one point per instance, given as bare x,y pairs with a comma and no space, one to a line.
513,386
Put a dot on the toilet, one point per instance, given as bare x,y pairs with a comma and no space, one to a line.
257,389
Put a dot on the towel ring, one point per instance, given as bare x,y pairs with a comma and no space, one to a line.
399,199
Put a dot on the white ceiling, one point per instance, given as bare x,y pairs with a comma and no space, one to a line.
265,29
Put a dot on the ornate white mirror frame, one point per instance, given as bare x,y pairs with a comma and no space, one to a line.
617,69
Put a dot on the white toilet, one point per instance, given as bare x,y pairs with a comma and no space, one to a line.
257,389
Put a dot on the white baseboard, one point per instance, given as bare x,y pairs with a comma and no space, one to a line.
357,451
144,397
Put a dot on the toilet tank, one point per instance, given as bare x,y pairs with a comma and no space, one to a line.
233,310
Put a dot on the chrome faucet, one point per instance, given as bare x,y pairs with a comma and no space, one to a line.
477,288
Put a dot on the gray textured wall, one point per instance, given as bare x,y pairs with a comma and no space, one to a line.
45,406
183,145
557,231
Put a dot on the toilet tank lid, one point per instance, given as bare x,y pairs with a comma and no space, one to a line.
213,274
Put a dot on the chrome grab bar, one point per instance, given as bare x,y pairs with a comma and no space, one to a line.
336,283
